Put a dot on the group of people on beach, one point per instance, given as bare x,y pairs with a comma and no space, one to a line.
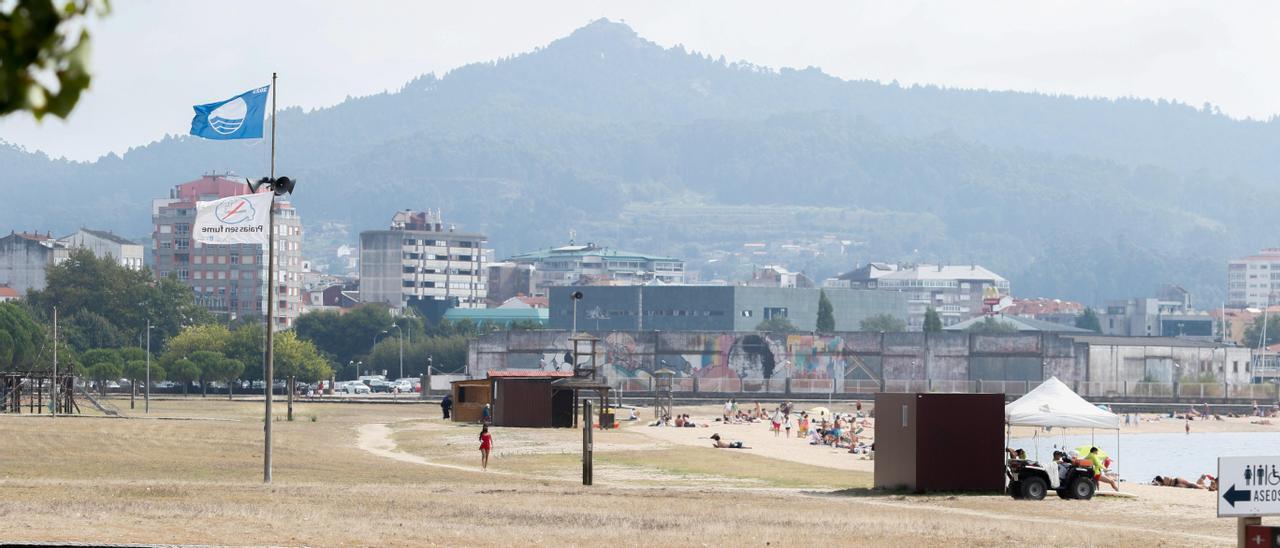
837,431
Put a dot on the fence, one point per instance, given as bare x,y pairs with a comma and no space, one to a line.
1265,392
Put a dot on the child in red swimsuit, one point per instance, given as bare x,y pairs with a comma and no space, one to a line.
486,443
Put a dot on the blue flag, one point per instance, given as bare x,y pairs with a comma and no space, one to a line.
239,117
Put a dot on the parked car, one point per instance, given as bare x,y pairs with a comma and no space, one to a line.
380,385
354,387
405,387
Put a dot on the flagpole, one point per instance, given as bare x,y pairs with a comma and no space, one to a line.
267,376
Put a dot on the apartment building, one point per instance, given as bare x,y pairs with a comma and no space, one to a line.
1254,281
420,257
590,264
227,279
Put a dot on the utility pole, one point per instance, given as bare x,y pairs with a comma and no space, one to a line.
146,396
54,388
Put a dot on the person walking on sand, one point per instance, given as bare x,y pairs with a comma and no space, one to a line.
786,423
486,414
486,444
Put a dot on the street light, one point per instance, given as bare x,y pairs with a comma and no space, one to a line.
356,365
400,337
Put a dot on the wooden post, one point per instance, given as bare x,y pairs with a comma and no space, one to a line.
291,388
586,442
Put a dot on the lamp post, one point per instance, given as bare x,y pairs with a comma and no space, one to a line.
400,338
355,376
146,395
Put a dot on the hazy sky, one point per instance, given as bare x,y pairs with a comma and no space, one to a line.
154,59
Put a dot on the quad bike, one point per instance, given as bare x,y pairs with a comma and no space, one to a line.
1031,480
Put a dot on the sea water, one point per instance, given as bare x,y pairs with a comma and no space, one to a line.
1141,457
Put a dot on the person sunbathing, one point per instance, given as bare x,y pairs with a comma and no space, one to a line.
1174,481
1212,485
721,444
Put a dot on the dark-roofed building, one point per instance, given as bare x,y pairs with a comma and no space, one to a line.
102,243
24,256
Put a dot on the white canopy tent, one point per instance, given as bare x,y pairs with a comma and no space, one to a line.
1053,403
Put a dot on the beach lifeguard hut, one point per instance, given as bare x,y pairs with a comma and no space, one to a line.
662,392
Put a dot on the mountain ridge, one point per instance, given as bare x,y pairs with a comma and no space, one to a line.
572,134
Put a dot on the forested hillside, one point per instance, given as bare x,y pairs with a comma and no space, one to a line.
669,151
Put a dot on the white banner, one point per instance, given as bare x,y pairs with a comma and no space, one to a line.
235,220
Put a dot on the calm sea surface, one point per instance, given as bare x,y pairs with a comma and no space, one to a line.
1143,456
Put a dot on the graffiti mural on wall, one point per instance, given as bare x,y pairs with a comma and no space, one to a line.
704,355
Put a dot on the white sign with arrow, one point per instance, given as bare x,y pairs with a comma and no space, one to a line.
1248,486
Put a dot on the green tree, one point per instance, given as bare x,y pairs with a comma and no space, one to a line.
208,361
134,370
298,358
992,325
883,322
777,324
826,314
102,365
112,303
246,346
38,45
1253,333
344,337
1089,320
197,338
445,354
226,370
21,338
183,371
932,322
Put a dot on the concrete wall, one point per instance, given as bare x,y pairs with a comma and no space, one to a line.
846,356
1143,363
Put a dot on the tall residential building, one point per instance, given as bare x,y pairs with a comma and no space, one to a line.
24,257
593,265
1254,281
422,258
957,292
227,279
105,244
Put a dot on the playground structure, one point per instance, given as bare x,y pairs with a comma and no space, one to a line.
35,391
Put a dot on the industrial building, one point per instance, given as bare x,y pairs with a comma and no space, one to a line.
420,258
956,292
714,308
576,264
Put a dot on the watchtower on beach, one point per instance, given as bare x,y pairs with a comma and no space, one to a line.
662,392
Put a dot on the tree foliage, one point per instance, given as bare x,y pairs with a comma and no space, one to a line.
21,338
932,322
298,358
39,44
992,325
887,323
110,304
448,355
1089,320
1253,333
826,314
777,324
183,371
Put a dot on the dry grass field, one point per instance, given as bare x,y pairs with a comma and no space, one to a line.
378,475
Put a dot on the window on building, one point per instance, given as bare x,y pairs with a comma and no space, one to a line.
746,313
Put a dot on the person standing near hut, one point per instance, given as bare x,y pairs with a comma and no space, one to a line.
486,444
446,405
486,414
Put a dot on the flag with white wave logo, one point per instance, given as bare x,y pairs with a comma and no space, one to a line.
240,117
235,220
